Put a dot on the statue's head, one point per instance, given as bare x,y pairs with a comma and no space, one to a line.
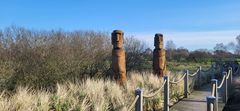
117,39
158,40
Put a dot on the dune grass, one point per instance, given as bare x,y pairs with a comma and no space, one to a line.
89,95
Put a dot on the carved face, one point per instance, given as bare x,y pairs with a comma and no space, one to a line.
158,41
117,39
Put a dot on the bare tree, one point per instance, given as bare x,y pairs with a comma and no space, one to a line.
237,50
220,47
181,54
231,46
170,49
134,53
170,45
42,58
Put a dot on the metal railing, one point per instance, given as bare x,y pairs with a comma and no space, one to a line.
212,101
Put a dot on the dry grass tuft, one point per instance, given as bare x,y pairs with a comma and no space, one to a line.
92,94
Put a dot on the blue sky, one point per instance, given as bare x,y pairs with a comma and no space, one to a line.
189,23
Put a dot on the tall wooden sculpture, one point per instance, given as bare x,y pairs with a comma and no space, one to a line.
159,58
118,57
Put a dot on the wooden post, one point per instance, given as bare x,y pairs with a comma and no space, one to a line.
229,80
231,74
118,57
211,103
139,103
213,75
215,81
225,88
186,85
166,94
159,58
199,77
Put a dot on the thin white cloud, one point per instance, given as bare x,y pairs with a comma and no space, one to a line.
192,40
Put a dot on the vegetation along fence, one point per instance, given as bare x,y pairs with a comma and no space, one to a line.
199,74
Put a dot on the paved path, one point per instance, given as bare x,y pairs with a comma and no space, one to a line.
196,101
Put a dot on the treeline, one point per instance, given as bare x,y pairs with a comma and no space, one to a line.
41,58
200,55
219,52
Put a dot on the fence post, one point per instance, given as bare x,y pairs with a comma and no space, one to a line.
231,76
139,103
186,85
225,88
213,75
215,81
166,94
211,100
199,77
229,80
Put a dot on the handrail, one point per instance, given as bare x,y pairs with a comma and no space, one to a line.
191,75
221,82
133,103
229,71
213,89
175,82
155,93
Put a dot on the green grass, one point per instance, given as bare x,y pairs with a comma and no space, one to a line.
177,66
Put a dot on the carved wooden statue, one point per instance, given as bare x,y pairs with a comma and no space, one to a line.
118,57
159,58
